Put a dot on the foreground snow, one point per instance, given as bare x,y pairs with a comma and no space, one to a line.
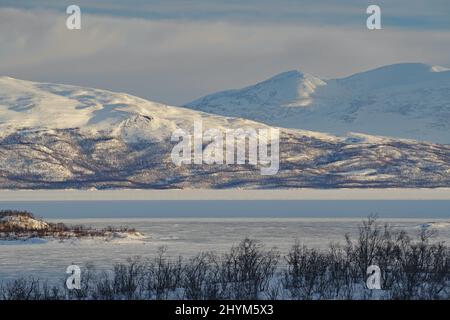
113,238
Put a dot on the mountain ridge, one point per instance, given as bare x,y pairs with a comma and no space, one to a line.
409,100
66,137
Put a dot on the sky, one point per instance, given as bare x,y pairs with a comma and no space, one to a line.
175,51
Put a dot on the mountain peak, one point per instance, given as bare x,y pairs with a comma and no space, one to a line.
396,75
405,100
289,89
293,75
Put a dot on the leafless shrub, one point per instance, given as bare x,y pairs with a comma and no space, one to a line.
15,213
421,269
201,278
29,289
247,270
411,269
164,275
306,273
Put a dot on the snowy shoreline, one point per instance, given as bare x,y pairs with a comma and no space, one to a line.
228,194
22,227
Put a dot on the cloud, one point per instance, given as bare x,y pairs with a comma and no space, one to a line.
418,13
174,61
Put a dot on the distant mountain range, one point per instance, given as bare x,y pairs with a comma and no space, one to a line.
409,100
59,136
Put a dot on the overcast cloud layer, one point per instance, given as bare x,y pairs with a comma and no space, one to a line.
177,53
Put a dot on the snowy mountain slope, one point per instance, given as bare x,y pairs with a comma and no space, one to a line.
25,104
59,136
408,100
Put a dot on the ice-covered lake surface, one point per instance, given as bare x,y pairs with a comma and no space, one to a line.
185,236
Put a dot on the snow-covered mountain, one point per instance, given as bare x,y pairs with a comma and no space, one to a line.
45,106
60,136
409,100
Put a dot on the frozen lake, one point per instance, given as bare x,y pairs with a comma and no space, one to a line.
184,236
